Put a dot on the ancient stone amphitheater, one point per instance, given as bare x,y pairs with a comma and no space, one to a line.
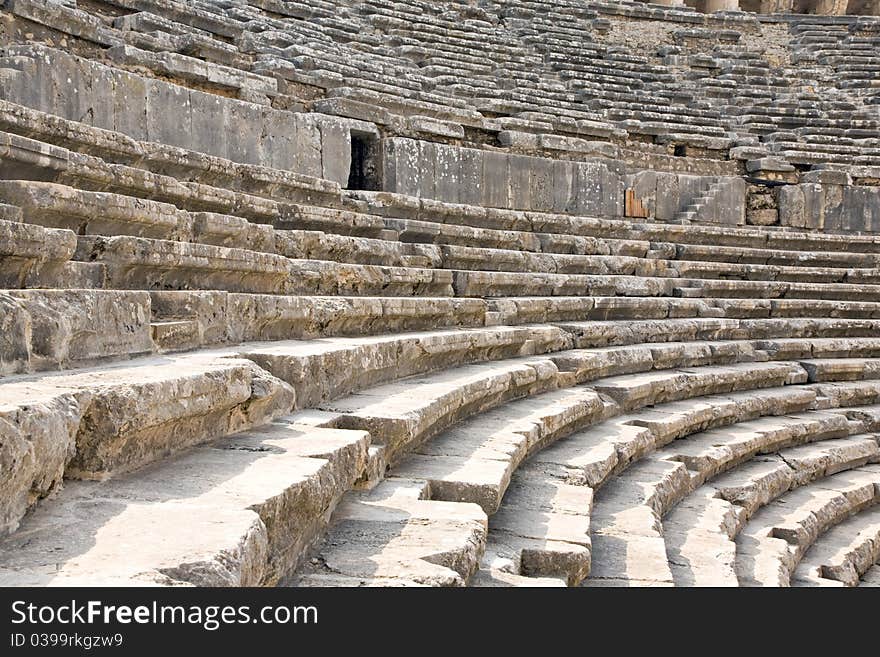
474,292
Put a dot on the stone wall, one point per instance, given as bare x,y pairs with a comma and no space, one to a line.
666,196
520,182
830,207
149,109
501,180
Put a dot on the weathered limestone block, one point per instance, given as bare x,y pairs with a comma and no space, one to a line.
829,207
234,232
598,191
447,171
542,529
315,245
127,426
476,460
38,441
82,90
332,278
409,415
134,262
208,309
56,329
227,317
327,369
401,171
95,213
495,180
32,252
165,100
265,317
258,502
395,536
456,175
93,423
336,135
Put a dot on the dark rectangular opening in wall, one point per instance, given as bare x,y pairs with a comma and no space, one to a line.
680,151
364,172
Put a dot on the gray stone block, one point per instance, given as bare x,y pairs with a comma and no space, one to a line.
245,128
563,181
496,176
541,182
307,143
130,105
448,173
426,175
402,168
208,113
471,176
169,114
335,149
520,182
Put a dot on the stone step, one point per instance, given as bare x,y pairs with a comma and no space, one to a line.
524,546
474,460
61,329
392,536
779,338
241,317
568,309
842,555
843,369
502,284
402,415
542,530
391,205
707,288
98,422
95,213
773,542
61,206
238,511
134,262
634,503
32,255
701,529
630,391
326,369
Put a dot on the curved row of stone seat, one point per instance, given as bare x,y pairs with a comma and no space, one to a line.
575,466
629,548
57,206
842,555
136,262
313,372
476,487
361,546
50,329
773,542
252,187
142,263
628,510
270,488
472,462
238,511
195,421
709,528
